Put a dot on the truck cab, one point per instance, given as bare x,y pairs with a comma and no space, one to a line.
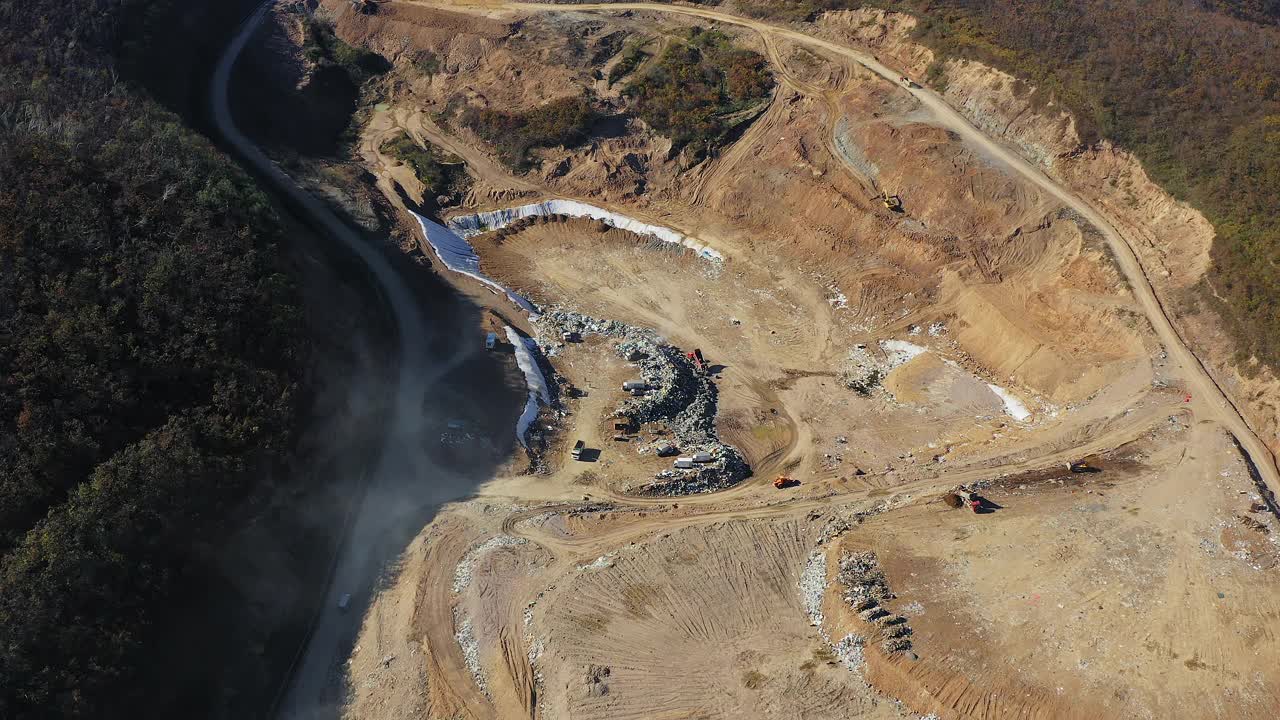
578,447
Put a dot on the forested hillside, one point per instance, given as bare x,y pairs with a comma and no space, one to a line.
1193,89
148,346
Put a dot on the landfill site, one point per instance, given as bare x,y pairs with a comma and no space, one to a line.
876,412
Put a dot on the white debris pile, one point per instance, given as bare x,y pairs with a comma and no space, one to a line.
1012,405
813,585
469,225
849,650
683,398
899,352
864,370
466,638
600,563
677,393
462,573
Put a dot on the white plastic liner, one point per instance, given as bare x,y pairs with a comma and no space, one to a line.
468,225
538,393
458,255
1012,405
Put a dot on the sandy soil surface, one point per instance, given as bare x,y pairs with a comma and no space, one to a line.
991,333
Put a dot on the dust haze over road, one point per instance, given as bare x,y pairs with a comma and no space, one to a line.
405,488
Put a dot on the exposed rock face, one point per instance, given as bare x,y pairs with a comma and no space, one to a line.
887,34
1172,239
1000,105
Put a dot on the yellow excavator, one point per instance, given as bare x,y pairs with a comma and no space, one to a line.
893,202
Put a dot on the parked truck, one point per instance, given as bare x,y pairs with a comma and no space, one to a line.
578,447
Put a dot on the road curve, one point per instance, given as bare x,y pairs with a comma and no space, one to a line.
1209,401
396,496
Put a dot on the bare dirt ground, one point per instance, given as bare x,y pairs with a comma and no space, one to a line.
1144,590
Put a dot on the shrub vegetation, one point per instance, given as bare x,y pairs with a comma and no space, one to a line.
691,91
441,174
565,122
631,60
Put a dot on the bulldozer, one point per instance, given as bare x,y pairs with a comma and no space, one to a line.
892,202
782,481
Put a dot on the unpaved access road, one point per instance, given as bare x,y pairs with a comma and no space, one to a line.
405,488
1208,400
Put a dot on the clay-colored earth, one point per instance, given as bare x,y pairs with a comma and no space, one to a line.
1147,589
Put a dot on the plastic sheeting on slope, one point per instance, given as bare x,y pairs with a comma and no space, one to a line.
458,255
468,225
538,393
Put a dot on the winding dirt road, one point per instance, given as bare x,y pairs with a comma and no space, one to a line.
1209,401
406,488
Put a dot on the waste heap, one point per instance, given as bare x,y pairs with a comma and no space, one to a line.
680,396
865,590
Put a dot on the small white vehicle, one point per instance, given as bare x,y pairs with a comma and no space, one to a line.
344,602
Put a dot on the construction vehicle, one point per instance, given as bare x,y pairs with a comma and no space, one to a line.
782,481
908,82
964,498
892,202
1081,466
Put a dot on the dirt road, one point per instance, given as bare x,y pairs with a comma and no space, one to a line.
1208,399
406,488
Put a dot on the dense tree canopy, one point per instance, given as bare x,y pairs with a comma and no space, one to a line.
147,350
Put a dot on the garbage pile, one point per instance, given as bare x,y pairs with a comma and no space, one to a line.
865,590
677,394
558,322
